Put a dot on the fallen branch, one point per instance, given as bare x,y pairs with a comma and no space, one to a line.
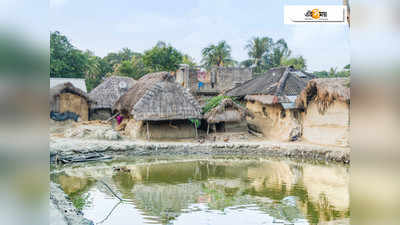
108,187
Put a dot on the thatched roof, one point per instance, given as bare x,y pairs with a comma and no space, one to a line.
325,91
66,88
108,92
77,82
227,111
156,96
278,81
267,99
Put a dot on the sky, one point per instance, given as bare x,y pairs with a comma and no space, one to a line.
108,26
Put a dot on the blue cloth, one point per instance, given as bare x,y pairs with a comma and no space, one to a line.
200,84
64,116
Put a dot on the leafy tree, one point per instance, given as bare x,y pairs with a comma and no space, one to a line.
188,60
134,68
65,59
299,63
257,48
334,73
162,57
279,50
217,55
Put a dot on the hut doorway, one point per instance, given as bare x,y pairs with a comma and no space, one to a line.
220,127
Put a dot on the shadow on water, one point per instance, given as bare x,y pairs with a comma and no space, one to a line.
179,192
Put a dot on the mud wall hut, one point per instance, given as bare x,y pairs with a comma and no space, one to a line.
228,116
106,94
326,104
65,97
271,98
157,107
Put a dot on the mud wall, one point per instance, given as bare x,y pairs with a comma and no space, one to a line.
331,127
100,114
74,103
161,129
273,121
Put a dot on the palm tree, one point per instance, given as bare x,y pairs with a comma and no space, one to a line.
257,48
218,55
279,51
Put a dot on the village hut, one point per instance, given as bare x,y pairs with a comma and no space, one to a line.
271,98
157,107
326,105
68,102
228,116
106,94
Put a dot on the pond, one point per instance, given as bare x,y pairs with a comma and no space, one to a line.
213,190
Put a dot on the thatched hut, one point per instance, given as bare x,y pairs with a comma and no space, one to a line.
271,98
228,116
326,105
158,108
66,98
106,94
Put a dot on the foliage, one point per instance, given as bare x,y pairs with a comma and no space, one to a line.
257,48
162,57
80,201
65,59
217,55
345,72
134,68
214,102
265,53
299,63
188,60
196,122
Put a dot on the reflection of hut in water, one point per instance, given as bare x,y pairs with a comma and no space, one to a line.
65,98
157,107
323,194
326,104
227,116
106,94
165,202
74,185
271,97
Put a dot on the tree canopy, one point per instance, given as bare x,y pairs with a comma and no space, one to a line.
264,53
217,55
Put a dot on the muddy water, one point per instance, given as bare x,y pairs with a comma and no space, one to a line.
208,191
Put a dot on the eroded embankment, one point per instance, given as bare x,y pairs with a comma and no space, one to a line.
63,210
79,150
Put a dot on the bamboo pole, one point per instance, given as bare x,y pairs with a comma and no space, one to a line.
195,129
148,132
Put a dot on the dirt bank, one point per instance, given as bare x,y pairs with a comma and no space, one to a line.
68,147
62,210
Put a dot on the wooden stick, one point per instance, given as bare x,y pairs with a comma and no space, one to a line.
208,128
108,187
148,132
116,114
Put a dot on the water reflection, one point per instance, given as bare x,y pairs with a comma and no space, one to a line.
213,191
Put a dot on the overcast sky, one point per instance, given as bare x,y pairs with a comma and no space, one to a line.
190,25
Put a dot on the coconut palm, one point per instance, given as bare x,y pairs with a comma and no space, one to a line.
217,55
257,48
